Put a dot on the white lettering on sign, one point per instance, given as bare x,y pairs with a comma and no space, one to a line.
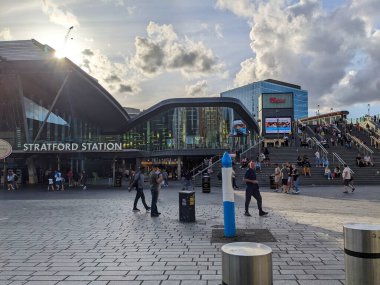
72,147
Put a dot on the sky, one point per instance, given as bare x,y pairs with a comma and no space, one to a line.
145,51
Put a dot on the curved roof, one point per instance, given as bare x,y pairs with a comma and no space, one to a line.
165,105
42,75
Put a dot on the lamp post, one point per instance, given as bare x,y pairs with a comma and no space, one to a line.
318,113
369,105
278,125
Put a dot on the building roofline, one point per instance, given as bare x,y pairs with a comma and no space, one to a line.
165,105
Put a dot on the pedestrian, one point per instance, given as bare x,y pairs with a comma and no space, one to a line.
83,180
234,178
58,180
317,158
252,190
70,177
50,182
165,176
139,184
347,179
296,180
155,180
285,175
277,177
10,180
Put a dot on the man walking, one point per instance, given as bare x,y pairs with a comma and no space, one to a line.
139,180
347,178
252,190
155,179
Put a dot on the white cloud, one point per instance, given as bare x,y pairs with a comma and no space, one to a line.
197,89
241,8
5,34
59,14
303,44
162,50
219,31
118,78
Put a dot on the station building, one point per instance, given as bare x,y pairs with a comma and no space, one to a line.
274,104
55,116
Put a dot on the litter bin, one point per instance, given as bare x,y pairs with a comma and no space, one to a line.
118,179
246,263
206,185
362,253
186,206
272,184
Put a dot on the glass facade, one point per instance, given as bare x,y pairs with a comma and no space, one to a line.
183,128
249,95
22,119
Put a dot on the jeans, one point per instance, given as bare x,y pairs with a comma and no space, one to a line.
296,185
140,194
256,194
153,206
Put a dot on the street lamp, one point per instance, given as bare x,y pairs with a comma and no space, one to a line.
331,109
318,109
278,125
369,105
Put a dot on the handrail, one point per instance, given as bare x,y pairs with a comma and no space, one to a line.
318,143
210,166
341,160
360,143
201,164
375,141
250,148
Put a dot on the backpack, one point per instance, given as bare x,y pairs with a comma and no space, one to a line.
135,182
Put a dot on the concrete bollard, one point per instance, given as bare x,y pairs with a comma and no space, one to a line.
362,253
246,263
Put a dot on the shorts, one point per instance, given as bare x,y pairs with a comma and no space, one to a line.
346,182
284,181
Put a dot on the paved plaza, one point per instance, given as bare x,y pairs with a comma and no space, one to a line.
92,237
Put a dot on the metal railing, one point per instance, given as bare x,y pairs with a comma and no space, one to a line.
214,163
318,144
340,160
359,144
251,148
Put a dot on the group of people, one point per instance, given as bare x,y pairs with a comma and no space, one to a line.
156,180
363,161
56,181
286,178
305,164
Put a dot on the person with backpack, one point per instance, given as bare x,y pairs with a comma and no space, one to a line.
138,183
155,179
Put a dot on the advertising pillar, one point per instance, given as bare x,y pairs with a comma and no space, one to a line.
228,197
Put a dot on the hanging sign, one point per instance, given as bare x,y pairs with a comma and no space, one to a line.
5,149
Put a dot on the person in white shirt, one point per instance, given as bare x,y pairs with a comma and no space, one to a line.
347,178
367,160
317,158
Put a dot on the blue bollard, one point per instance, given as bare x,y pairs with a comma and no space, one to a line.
228,197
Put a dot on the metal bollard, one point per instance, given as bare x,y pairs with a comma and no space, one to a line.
246,263
362,253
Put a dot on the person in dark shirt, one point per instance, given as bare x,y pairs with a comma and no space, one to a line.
252,190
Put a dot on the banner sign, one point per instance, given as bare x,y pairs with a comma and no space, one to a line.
73,146
5,149
277,100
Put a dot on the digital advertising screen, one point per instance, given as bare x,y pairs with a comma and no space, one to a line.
239,128
278,125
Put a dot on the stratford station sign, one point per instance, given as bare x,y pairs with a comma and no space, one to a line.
79,147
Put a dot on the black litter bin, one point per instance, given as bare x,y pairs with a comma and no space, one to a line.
186,206
206,185
118,179
272,184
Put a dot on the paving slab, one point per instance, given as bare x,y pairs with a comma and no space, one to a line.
93,237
